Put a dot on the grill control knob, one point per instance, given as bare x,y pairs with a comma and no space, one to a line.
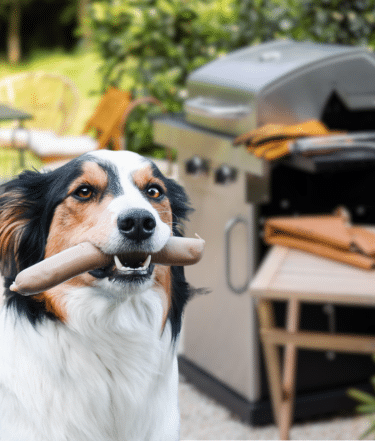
225,174
196,165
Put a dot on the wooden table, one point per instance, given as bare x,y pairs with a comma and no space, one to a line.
296,276
8,113
11,113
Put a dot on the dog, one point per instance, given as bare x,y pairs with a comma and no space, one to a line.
94,358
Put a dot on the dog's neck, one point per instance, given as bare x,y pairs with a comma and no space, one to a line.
91,311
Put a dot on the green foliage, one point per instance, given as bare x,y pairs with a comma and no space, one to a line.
150,46
337,21
350,22
264,20
367,404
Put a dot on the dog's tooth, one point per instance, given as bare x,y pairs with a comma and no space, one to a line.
118,263
146,263
127,268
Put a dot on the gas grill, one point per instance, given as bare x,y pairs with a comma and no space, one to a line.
233,193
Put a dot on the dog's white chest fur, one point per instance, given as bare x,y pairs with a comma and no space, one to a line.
110,378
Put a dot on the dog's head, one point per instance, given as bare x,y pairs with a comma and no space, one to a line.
118,201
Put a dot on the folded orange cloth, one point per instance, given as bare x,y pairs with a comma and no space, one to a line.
328,236
272,141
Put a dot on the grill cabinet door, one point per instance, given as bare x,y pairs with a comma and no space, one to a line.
220,327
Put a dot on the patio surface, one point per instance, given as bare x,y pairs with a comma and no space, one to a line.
204,419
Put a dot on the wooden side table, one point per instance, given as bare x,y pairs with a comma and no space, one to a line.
8,113
297,277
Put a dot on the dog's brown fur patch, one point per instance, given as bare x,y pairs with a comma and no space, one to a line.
163,279
12,223
144,177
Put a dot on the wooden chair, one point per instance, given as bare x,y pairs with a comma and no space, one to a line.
103,130
108,119
107,124
52,99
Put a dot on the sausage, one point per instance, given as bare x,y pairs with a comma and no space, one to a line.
180,251
59,268
44,275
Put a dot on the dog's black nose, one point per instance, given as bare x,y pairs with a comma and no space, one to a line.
136,225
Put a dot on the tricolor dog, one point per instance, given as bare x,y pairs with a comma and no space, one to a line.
94,358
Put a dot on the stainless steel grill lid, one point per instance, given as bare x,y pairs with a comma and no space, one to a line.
278,82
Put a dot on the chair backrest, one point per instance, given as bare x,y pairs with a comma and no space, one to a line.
52,99
108,115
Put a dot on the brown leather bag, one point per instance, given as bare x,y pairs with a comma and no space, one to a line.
330,236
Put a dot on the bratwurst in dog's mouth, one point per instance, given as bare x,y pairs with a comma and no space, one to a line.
44,275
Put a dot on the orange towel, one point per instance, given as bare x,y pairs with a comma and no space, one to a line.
272,141
329,236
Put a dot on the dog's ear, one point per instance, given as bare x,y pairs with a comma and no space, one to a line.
179,204
27,204
12,224
22,239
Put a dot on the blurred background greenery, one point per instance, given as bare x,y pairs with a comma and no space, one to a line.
150,46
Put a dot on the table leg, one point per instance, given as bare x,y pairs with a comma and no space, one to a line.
20,149
290,370
272,358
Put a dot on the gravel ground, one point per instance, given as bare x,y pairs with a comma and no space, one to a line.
204,419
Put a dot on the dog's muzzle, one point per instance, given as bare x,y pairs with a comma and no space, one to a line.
136,226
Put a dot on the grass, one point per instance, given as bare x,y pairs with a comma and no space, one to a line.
81,68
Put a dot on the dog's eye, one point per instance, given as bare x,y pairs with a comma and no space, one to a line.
154,191
84,192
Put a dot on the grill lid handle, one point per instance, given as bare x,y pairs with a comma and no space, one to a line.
214,108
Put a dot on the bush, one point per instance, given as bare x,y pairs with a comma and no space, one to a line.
366,404
350,22
150,46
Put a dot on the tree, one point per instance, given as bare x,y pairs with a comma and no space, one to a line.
28,18
14,41
83,25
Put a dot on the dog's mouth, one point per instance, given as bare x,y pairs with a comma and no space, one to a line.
123,268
